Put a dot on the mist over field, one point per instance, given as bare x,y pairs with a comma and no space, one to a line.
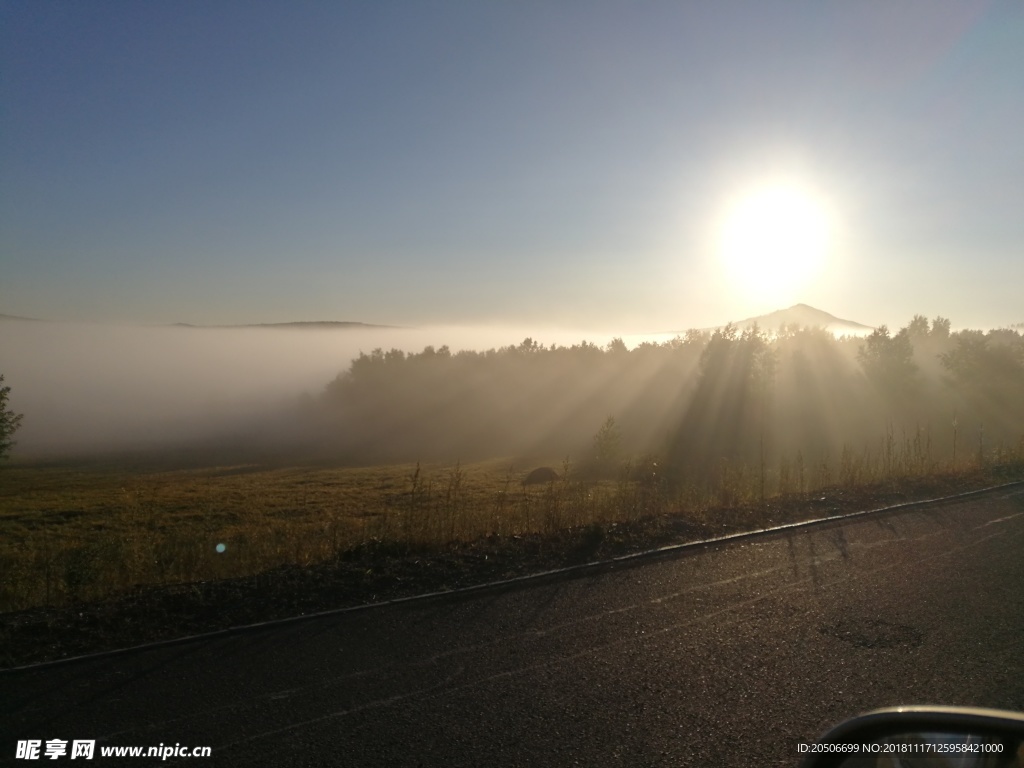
86,388
739,394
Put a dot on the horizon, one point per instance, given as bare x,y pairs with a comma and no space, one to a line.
560,331
161,386
615,169
546,333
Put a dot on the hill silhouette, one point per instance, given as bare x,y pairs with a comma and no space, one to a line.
18,317
805,316
299,325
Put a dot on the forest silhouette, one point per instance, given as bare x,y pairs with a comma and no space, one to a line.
780,400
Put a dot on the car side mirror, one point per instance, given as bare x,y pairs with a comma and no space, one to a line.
922,737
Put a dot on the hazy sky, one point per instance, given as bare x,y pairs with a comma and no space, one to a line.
563,163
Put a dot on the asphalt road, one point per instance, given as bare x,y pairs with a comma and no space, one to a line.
725,655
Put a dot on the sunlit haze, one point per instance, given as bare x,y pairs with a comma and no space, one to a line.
93,386
565,164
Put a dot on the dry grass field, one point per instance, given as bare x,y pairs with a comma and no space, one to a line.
86,531
99,555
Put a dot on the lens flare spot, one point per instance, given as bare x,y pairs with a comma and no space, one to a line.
222,548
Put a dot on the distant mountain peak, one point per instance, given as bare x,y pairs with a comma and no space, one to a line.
805,316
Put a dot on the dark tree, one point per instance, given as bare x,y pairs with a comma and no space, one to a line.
9,421
940,328
988,366
607,441
918,328
725,418
889,360
617,346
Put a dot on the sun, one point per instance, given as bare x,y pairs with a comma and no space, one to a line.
773,241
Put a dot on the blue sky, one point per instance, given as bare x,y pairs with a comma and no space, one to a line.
537,163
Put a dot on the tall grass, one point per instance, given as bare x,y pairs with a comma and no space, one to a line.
171,533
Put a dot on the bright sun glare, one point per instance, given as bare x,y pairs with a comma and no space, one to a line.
773,241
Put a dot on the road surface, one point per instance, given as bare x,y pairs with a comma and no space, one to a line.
729,654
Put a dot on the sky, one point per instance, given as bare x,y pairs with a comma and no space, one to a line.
571,164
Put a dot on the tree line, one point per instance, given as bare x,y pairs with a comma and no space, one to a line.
703,397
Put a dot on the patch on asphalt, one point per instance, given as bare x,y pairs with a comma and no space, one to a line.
873,633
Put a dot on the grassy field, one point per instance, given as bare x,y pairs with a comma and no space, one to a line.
87,531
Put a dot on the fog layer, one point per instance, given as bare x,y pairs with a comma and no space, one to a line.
96,388
786,398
